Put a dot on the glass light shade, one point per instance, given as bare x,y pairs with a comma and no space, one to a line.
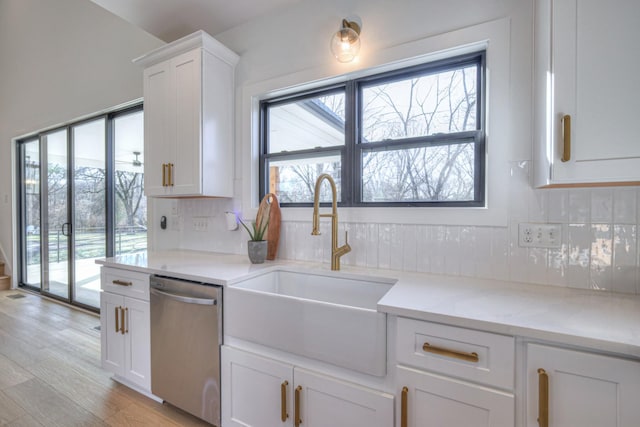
345,45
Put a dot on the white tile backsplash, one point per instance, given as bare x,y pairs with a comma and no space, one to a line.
599,242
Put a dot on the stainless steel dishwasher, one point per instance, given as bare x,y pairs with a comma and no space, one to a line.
186,334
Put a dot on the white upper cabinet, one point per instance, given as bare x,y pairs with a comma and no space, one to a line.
586,65
188,118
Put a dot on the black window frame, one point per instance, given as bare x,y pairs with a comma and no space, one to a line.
352,150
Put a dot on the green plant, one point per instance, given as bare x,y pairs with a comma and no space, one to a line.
258,230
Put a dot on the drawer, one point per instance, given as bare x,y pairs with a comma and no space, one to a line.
127,283
481,357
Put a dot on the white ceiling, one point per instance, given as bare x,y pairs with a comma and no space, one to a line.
171,19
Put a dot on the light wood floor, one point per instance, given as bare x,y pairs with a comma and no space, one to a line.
50,372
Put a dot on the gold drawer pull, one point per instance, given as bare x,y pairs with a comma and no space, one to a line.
543,398
297,420
117,325
468,357
403,407
122,283
283,401
566,138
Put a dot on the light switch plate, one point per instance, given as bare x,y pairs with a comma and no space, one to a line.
536,235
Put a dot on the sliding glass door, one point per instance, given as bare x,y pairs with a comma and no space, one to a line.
89,211
81,198
56,225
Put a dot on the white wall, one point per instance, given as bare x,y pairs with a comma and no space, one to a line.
59,60
599,226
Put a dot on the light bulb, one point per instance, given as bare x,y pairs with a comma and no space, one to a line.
345,44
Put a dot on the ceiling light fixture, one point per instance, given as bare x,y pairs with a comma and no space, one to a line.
345,43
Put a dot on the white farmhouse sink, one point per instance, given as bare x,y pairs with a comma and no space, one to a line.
326,316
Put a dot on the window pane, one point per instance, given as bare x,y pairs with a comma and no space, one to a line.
131,203
32,211
435,173
57,266
293,181
420,106
306,124
89,199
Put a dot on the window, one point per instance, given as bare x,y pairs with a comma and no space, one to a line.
411,137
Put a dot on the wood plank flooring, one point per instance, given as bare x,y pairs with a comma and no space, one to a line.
50,372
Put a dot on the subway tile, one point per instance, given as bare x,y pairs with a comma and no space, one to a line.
601,206
601,257
452,251
579,254
579,205
558,205
467,251
358,242
500,253
423,248
437,260
559,261
395,247
537,259
538,205
384,246
519,189
625,205
372,245
625,259
409,243
482,252
518,257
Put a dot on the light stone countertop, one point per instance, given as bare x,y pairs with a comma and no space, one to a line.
593,319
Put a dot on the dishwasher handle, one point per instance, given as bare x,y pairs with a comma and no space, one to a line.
182,298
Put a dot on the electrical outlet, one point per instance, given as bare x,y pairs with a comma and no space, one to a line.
200,223
532,235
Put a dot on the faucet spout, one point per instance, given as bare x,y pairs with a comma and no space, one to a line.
336,252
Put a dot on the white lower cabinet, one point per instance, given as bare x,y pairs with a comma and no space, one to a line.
125,334
451,376
264,392
567,388
426,399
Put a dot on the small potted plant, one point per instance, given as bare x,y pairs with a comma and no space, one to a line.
256,246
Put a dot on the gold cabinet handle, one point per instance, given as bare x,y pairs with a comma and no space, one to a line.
404,407
170,183
283,401
122,320
164,174
543,398
122,283
566,138
468,357
296,407
117,325
125,322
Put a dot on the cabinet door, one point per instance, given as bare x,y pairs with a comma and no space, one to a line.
252,390
137,367
112,340
186,171
586,67
327,401
158,140
440,401
584,389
